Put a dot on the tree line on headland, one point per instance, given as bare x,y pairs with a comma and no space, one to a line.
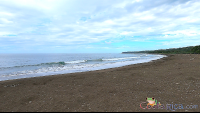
183,50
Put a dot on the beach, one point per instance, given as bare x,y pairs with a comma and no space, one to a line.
172,81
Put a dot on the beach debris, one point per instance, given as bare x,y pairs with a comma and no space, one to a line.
12,85
192,59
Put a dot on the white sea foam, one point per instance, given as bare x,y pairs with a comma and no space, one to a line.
73,68
119,58
75,62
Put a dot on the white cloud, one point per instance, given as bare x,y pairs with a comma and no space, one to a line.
127,33
68,22
187,32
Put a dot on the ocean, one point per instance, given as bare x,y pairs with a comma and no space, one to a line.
16,66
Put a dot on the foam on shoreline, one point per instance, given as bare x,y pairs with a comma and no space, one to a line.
74,69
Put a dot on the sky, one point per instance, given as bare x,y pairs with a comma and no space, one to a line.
97,26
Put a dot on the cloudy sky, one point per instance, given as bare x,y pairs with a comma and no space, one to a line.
97,26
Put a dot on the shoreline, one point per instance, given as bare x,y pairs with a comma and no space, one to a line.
172,79
83,69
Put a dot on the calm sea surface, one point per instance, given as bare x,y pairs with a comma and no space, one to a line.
15,66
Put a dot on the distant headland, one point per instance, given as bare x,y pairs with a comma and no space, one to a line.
183,50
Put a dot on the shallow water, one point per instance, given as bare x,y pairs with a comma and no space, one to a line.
15,66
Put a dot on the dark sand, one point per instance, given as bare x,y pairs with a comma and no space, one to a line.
174,80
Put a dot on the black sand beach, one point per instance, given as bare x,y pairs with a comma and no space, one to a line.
171,80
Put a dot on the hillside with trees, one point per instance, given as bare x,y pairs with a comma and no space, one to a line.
183,50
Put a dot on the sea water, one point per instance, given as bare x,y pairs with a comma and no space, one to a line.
16,66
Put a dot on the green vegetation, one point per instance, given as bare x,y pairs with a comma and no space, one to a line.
196,50
183,50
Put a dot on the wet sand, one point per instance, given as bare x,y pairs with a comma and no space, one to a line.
171,80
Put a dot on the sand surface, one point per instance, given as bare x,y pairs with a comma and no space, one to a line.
171,80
